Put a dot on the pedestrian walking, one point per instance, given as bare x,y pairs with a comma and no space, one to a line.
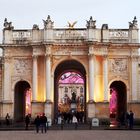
43,121
75,121
126,119
37,123
131,119
7,119
27,121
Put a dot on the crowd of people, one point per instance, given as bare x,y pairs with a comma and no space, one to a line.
67,117
41,121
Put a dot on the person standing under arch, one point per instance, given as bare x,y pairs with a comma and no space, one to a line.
131,119
7,119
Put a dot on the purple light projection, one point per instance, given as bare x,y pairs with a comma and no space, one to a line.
71,78
28,101
113,101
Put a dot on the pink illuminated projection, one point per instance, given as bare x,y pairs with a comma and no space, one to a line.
71,78
28,101
71,83
113,101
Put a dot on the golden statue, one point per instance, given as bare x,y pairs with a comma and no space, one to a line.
71,25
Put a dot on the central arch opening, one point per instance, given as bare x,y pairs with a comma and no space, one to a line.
70,91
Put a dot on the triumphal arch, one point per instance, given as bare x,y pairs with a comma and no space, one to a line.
91,72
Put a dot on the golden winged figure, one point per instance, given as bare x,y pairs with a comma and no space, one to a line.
71,25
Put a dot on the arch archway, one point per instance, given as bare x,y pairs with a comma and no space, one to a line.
22,97
70,69
118,100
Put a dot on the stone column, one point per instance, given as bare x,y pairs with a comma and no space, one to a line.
134,75
7,80
35,79
105,77
7,102
48,78
91,78
48,104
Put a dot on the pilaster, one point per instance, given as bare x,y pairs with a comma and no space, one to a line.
134,76
35,79
105,77
7,79
91,77
48,74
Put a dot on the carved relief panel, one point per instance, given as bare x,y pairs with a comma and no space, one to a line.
118,66
22,66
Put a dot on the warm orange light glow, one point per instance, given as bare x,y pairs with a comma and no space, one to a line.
28,101
87,92
40,95
98,96
98,91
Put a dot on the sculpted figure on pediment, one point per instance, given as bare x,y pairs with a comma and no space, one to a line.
91,23
35,27
118,65
7,25
133,24
48,24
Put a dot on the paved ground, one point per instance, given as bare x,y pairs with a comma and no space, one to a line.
71,135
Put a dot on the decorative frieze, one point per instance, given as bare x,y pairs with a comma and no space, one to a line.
38,51
14,51
98,50
74,50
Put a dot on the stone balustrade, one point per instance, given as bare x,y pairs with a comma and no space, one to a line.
66,35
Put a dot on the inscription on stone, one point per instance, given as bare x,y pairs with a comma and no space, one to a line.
21,34
118,34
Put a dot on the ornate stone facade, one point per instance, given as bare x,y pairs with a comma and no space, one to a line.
105,58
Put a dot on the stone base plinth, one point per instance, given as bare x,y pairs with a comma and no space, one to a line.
6,107
102,109
48,110
37,108
90,110
135,107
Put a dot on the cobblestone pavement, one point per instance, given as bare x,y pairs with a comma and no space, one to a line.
71,135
